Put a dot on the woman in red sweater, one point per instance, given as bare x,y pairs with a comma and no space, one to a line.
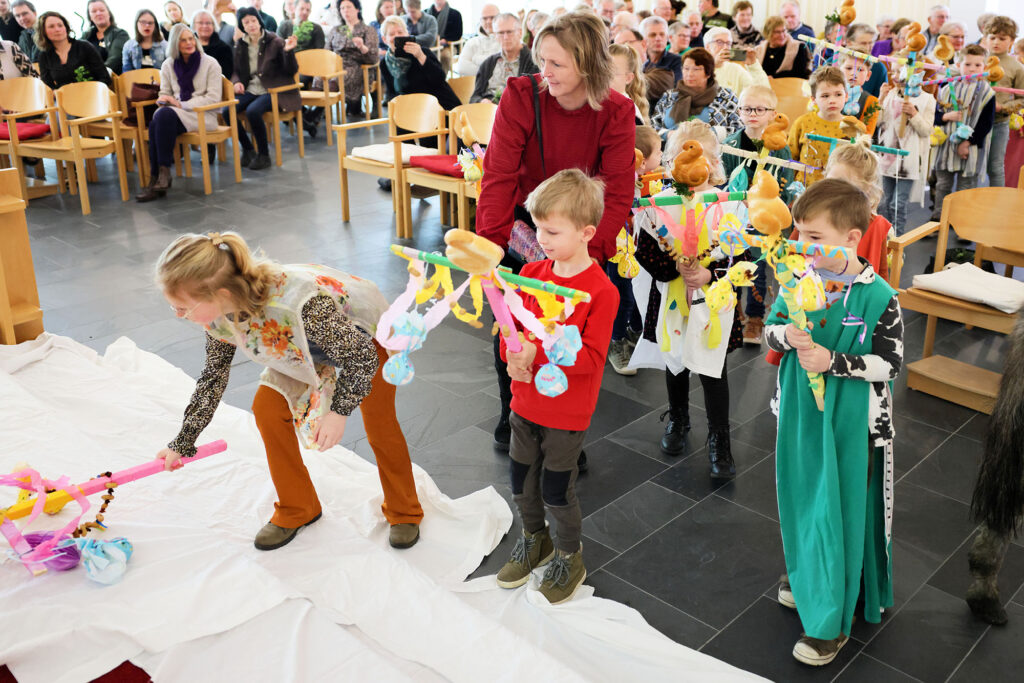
566,116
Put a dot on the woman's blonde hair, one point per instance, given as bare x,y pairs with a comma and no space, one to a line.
705,135
637,88
201,265
863,162
584,36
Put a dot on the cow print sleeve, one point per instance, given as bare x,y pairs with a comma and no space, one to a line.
886,358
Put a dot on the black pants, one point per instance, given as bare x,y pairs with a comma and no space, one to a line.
716,396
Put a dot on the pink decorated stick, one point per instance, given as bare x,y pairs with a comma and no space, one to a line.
1012,91
502,315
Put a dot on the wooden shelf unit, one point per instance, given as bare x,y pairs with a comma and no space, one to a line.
21,318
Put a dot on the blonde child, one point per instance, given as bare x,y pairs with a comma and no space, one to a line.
548,432
828,89
663,268
905,123
836,531
629,80
312,327
959,160
859,103
1000,32
628,322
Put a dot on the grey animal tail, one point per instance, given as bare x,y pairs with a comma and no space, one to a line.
998,499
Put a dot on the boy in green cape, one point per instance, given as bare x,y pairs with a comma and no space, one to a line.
834,467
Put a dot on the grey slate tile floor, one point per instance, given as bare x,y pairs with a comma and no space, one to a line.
700,560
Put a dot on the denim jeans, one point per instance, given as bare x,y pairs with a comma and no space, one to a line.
253,107
997,153
895,200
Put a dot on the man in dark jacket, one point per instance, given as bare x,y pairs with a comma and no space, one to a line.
10,29
513,60
449,21
25,14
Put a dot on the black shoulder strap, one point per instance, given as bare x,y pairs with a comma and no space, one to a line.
536,119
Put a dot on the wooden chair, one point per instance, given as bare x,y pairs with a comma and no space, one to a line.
275,117
79,104
416,112
371,89
325,65
21,318
29,98
481,118
136,135
202,138
792,100
463,87
987,216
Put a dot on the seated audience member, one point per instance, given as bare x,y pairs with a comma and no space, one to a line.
287,12
623,20
713,17
631,37
262,60
628,79
895,43
780,55
790,13
269,22
414,68
695,21
188,79
655,33
698,96
823,56
309,35
449,22
420,25
884,26
678,37
861,37
104,35
982,22
224,13
663,9
25,14
744,33
204,25
10,29
174,14
513,59
61,56
13,62
937,17
482,45
356,43
736,76
148,49
534,23
385,9
957,33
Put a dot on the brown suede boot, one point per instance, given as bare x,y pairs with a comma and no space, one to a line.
159,183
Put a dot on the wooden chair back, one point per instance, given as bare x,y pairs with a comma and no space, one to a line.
322,63
82,100
25,94
479,116
416,112
463,87
792,100
986,215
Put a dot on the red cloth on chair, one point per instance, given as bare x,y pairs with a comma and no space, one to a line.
445,164
26,131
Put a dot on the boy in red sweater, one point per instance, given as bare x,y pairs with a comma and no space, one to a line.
548,432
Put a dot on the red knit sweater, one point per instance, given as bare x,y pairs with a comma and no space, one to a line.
573,409
600,143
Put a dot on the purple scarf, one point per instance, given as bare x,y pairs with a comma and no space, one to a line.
185,72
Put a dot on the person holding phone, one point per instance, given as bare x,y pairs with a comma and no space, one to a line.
735,74
413,68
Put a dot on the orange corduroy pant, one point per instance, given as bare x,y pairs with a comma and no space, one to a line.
297,501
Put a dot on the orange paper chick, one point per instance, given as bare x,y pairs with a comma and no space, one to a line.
690,168
768,213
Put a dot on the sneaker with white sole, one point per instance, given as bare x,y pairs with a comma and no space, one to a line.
618,356
530,551
786,592
817,652
752,330
563,577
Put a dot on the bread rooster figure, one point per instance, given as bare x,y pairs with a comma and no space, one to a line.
847,13
690,167
774,136
768,213
945,52
915,39
995,72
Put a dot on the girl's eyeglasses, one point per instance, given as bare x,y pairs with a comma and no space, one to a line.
183,313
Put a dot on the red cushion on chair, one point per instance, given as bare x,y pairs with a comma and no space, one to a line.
26,131
445,164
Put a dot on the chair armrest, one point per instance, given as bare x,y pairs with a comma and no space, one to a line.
414,136
26,114
896,246
367,67
215,105
94,119
917,234
143,103
342,127
285,88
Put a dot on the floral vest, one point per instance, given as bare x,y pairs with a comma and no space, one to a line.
276,338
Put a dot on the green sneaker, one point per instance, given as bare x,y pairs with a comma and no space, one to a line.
563,577
531,551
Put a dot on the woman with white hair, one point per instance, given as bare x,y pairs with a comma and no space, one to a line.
188,79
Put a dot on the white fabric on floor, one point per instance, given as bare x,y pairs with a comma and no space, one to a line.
198,601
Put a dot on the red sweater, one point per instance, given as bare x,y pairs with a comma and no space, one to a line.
600,143
573,409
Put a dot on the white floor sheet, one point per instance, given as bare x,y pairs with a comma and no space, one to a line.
199,603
